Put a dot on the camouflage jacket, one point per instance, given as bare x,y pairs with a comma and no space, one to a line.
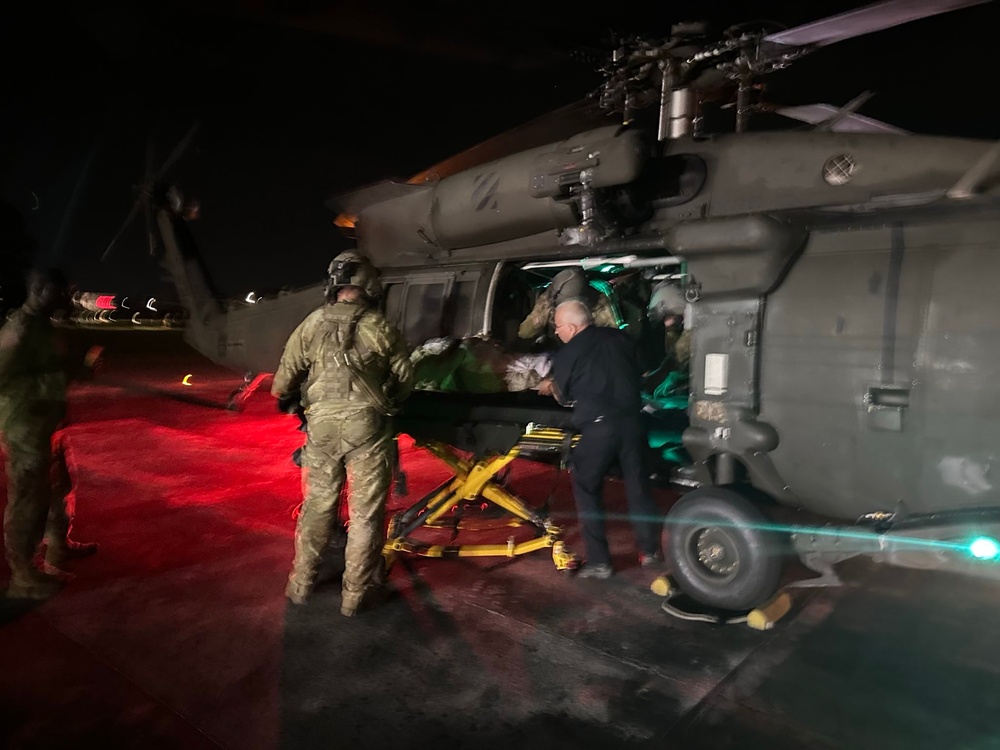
33,378
540,319
338,356
678,346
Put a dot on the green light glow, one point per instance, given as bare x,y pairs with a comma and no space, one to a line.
985,548
842,532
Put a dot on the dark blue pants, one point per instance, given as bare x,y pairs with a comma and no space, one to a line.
602,444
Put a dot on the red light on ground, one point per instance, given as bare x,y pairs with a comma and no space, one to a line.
106,302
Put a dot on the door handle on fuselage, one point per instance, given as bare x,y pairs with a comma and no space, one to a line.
887,396
885,404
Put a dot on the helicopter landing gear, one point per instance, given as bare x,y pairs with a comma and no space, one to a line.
722,550
238,398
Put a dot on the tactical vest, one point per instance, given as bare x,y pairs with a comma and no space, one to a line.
33,371
339,346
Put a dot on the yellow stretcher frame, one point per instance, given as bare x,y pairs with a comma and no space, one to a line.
471,480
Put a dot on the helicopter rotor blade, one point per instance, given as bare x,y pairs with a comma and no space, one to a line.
178,151
865,20
121,230
835,119
843,112
150,235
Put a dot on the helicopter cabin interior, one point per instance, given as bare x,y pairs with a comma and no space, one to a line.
487,301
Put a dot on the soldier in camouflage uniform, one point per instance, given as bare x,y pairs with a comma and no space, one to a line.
566,285
666,307
33,381
349,368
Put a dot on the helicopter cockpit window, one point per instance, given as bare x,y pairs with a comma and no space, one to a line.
515,296
392,299
422,311
431,307
458,321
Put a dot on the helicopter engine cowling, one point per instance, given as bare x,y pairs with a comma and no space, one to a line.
524,194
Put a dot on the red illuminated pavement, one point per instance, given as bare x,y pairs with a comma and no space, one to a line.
177,633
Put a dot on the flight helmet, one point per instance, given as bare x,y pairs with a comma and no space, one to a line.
667,299
351,268
570,284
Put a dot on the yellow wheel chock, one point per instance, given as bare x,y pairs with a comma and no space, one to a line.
763,617
474,480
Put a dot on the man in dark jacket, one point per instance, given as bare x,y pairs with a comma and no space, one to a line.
597,372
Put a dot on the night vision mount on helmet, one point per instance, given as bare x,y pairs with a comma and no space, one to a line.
353,269
571,284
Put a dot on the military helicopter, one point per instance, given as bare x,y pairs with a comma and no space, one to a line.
839,279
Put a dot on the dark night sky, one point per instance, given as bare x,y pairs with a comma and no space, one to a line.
296,107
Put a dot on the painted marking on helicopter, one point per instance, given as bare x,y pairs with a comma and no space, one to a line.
484,192
186,380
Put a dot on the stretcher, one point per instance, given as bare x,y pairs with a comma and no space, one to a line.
495,429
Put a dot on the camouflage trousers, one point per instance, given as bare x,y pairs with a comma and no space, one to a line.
358,449
39,492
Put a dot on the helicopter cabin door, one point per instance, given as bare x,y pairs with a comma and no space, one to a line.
837,370
957,391
435,303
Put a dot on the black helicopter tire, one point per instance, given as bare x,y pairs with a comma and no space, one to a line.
719,550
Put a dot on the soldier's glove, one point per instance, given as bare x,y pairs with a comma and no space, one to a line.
288,404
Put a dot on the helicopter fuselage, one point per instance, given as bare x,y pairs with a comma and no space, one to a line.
845,325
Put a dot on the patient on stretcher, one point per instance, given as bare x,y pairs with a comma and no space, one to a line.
475,365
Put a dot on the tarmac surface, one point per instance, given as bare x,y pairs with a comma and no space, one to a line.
177,634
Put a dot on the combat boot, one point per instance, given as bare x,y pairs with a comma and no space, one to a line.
31,583
350,605
51,570
375,596
297,591
58,553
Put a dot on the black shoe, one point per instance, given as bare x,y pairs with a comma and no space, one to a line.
647,560
601,572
